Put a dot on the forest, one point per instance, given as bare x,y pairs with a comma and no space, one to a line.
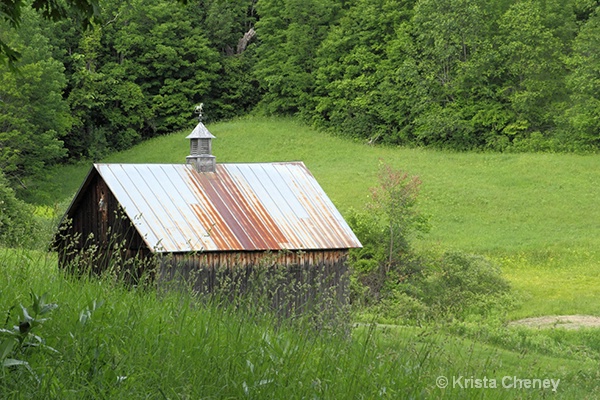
485,75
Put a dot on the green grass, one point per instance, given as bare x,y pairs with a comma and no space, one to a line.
153,344
535,213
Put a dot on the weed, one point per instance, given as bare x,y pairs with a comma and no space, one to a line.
22,338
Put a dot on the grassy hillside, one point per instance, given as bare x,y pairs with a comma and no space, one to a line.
535,213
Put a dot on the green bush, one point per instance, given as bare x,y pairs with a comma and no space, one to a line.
452,287
365,282
17,224
404,286
459,283
399,306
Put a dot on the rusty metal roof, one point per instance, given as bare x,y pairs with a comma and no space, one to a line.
263,206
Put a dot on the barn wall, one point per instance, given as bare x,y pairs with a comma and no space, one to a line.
97,231
290,280
232,259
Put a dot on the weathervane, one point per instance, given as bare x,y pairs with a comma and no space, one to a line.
198,111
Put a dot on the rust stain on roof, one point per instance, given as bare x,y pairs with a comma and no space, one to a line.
237,225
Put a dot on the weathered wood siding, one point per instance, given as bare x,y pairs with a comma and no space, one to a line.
98,222
290,281
231,259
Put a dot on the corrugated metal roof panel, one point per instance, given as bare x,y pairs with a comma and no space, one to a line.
259,206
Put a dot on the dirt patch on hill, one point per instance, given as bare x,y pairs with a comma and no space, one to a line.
559,321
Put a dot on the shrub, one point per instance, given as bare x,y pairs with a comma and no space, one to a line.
398,306
459,283
365,281
17,225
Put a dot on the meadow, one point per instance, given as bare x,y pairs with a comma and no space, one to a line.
536,214
532,213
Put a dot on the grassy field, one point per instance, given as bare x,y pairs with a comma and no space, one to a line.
112,342
537,214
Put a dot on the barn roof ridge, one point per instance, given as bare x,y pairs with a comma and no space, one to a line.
220,163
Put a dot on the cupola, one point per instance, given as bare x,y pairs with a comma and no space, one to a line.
201,147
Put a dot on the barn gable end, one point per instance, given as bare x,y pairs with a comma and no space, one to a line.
96,219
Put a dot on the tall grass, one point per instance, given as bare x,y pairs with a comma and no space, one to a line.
117,342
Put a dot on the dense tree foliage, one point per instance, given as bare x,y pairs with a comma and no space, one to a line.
140,73
290,33
33,114
348,81
12,11
463,74
135,72
583,114
509,75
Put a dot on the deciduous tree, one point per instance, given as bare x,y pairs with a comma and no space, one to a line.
532,67
12,11
33,115
289,33
584,83
394,201
348,94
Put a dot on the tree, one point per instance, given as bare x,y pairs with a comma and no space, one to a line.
449,68
386,229
229,26
237,91
138,74
33,115
394,201
17,225
12,11
348,95
583,116
289,33
111,111
532,70
164,50
140,71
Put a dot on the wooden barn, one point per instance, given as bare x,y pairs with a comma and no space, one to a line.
200,217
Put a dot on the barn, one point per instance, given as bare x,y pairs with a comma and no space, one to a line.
199,217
